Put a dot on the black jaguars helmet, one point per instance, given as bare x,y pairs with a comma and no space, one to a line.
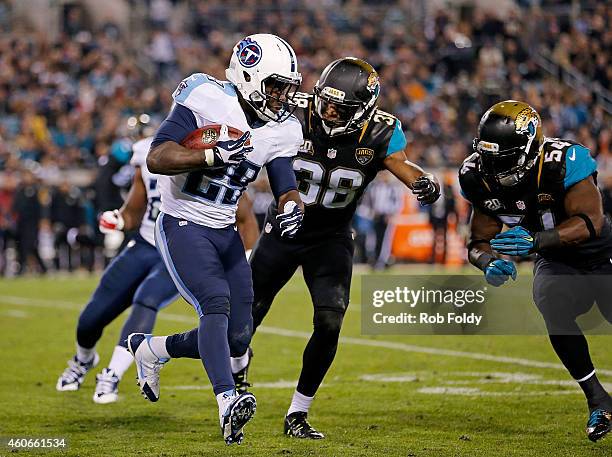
508,142
345,95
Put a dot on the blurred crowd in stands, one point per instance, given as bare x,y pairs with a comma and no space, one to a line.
64,103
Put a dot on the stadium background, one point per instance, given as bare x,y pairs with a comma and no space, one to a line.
72,72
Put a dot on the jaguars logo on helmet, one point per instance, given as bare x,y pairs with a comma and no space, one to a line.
508,142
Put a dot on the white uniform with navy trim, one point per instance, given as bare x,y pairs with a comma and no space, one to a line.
207,197
140,150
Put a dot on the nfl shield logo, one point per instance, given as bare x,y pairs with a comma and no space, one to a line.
331,153
209,136
364,155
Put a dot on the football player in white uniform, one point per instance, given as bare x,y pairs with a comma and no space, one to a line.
195,231
136,277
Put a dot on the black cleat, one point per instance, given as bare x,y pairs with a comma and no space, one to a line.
240,378
599,424
297,425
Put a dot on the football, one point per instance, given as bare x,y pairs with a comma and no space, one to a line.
206,137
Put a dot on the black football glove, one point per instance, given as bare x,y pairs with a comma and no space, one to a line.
427,189
290,220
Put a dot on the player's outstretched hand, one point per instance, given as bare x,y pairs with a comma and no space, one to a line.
290,220
111,221
427,189
499,271
516,241
230,152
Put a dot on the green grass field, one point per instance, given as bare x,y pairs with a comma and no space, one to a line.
384,396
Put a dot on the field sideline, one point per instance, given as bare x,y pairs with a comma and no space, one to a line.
385,396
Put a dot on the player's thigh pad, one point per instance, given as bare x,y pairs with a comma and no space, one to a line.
192,256
328,267
560,292
157,290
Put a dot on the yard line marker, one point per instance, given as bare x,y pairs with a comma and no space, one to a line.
404,347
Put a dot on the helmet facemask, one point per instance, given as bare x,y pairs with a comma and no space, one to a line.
340,116
508,167
275,100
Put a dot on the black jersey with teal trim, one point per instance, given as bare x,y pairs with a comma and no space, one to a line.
538,202
333,172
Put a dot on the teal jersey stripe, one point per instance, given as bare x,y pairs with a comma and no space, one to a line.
398,139
578,165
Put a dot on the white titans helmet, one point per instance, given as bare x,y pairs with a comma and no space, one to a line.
263,67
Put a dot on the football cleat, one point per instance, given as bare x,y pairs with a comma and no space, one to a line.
239,411
240,378
148,364
107,387
73,376
599,424
297,425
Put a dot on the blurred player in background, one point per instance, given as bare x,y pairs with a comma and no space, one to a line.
347,141
137,277
195,231
546,190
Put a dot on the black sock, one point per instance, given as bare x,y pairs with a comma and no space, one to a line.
596,395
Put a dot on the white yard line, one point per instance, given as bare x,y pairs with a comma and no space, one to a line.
15,313
410,348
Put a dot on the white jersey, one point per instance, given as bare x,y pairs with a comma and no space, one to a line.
210,197
140,150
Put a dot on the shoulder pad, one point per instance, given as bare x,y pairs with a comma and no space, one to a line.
565,163
200,92
384,117
470,180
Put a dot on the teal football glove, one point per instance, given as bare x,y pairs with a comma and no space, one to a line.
498,271
516,241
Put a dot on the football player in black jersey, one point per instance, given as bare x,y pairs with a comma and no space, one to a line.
545,189
347,141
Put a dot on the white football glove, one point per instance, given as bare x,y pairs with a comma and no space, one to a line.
228,151
111,221
290,220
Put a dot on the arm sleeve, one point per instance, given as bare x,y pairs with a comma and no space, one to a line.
281,176
578,165
179,123
398,139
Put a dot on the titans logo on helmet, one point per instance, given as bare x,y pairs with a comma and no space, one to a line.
249,53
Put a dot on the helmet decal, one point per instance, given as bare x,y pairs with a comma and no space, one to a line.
374,83
527,122
249,53
334,94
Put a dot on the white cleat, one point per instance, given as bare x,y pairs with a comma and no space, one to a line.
239,411
107,387
148,364
73,376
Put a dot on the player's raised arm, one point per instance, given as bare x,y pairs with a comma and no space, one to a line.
424,185
128,217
